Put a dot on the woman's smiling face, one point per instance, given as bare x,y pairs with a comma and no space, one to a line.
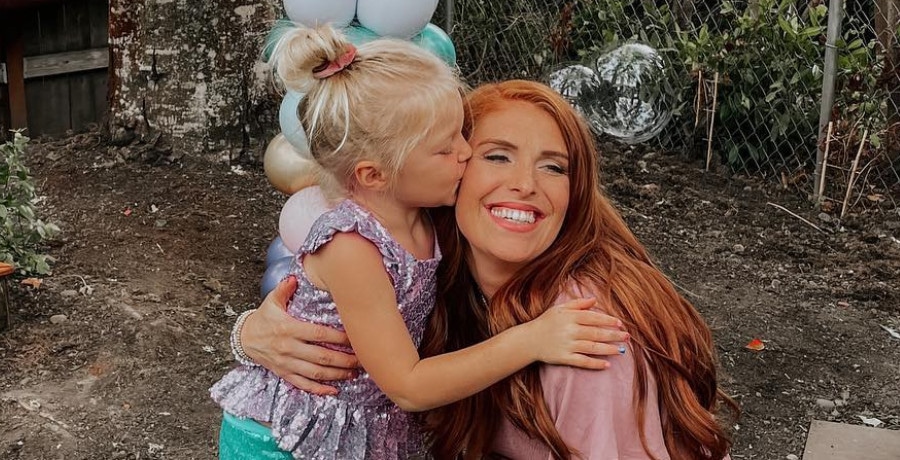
515,192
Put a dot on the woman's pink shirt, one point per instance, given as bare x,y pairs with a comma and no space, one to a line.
594,413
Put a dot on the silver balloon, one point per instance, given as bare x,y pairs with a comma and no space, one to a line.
574,83
631,103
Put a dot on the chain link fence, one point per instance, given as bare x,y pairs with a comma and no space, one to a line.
740,83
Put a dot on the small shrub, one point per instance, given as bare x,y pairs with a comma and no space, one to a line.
21,232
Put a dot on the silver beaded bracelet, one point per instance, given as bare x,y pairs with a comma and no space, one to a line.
237,349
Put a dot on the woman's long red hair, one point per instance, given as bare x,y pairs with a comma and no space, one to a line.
596,249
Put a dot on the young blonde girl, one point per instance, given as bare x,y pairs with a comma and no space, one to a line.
384,123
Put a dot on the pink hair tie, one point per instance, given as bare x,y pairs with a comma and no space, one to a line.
337,65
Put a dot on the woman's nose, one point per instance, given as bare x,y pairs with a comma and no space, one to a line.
522,180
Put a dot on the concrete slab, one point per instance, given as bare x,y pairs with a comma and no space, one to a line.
840,441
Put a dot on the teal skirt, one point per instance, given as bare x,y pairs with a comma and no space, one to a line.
247,439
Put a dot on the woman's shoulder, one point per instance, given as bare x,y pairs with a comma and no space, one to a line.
580,289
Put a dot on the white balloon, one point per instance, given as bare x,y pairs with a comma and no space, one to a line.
314,13
395,18
298,215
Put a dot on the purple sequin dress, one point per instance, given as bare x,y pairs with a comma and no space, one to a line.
360,422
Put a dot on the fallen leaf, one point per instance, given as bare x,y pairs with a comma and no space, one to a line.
870,421
890,331
876,197
756,345
33,282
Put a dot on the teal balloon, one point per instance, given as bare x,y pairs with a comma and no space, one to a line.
278,29
434,39
359,35
289,119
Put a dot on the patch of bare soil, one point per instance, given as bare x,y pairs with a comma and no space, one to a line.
154,260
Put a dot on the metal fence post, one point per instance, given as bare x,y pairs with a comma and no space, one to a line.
835,10
449,6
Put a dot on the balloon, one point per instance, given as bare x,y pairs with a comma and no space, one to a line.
637,103
298,215
277,250
289,120
287,169
359,35
278,29
395,18
274,274
434,39
575,83
313,13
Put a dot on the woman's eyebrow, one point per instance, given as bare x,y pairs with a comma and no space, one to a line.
499,142
554,154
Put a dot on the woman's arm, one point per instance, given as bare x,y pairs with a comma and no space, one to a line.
281,343
351,269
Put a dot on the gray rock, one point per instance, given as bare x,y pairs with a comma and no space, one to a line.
825,403
58,319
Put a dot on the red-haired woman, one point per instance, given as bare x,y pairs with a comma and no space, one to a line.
531,227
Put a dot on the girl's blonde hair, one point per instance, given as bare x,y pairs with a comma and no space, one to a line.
378,108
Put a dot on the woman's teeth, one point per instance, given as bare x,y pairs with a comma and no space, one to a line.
515,215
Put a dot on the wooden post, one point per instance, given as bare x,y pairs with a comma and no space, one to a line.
5,315
15,70
887,22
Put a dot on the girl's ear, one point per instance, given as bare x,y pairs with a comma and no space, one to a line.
369,175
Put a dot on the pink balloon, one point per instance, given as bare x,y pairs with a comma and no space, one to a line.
298,215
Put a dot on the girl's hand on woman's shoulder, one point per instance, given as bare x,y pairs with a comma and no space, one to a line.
286,346
572,334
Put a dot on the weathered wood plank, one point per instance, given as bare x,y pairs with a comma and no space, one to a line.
98,15
88,98
68,62
19,4
48,105
100,84
77,27
52,28
29,24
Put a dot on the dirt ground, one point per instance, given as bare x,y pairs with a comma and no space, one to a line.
156,258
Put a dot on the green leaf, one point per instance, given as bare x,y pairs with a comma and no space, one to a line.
875,140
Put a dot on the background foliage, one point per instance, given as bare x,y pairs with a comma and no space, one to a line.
21,231
768,54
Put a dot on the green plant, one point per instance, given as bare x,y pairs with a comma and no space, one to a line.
21,232
769,62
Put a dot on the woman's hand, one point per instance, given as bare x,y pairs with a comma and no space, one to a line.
572,334
282,344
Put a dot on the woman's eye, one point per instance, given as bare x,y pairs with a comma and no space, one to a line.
556,169
496,156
